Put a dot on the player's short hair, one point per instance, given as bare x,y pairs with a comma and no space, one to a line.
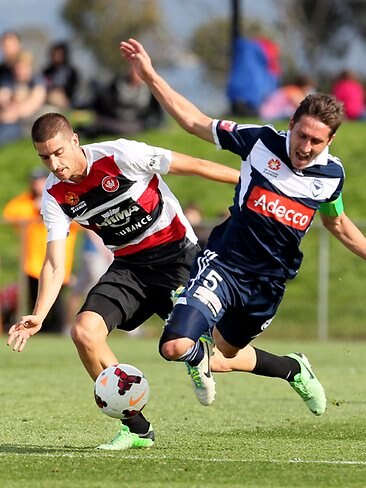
49,125
323,107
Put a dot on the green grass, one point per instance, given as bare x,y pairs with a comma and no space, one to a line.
258,432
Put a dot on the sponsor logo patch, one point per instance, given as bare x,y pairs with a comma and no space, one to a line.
227,125
208,298
116,217
266,324
153,162
71,198
79,207
282,209
134,401
274,164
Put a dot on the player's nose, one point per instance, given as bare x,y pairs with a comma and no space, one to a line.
53,163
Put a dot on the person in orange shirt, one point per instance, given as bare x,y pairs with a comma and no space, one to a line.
24,211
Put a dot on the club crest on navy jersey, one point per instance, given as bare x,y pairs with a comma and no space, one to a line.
317,187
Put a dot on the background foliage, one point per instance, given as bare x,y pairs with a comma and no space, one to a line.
314,35
100,25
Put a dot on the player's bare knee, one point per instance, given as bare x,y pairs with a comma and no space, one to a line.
170,350
87,332
172,347
80,334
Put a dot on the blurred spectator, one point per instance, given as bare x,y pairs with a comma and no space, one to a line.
10,46
349,90
61,77
8,306
194,215
21,98
24,211
254,74
95,258
126,106
283,102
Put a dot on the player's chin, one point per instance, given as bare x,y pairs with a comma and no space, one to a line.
62,176
301,162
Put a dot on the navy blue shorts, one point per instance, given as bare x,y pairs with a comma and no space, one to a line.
240,305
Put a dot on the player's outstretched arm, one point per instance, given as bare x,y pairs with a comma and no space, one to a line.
50,282
346,232
187,165
184,112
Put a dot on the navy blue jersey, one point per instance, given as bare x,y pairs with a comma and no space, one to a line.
274,203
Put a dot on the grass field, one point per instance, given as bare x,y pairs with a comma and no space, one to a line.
258,433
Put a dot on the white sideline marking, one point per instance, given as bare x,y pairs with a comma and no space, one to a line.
154,457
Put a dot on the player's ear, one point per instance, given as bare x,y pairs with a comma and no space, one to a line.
331,139
291,124
75,139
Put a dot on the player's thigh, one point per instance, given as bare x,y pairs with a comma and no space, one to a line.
259,301
121,298
200,305
226,349
185,321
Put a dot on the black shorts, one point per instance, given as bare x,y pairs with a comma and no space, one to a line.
135,288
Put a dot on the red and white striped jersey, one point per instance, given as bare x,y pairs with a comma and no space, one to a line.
123,199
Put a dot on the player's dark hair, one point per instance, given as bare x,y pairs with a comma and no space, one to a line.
323,107
49,125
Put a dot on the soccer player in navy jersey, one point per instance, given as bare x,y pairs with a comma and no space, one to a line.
116,189
238,282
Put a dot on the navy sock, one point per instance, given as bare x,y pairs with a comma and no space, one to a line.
194,355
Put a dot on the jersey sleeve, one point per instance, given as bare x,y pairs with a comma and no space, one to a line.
332,209
55,220
142,158
333,206
237,138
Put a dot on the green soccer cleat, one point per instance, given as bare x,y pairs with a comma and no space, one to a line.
307,385
122,441
201,376
144,440
127,440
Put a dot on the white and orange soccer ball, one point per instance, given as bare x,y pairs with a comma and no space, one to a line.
121,391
